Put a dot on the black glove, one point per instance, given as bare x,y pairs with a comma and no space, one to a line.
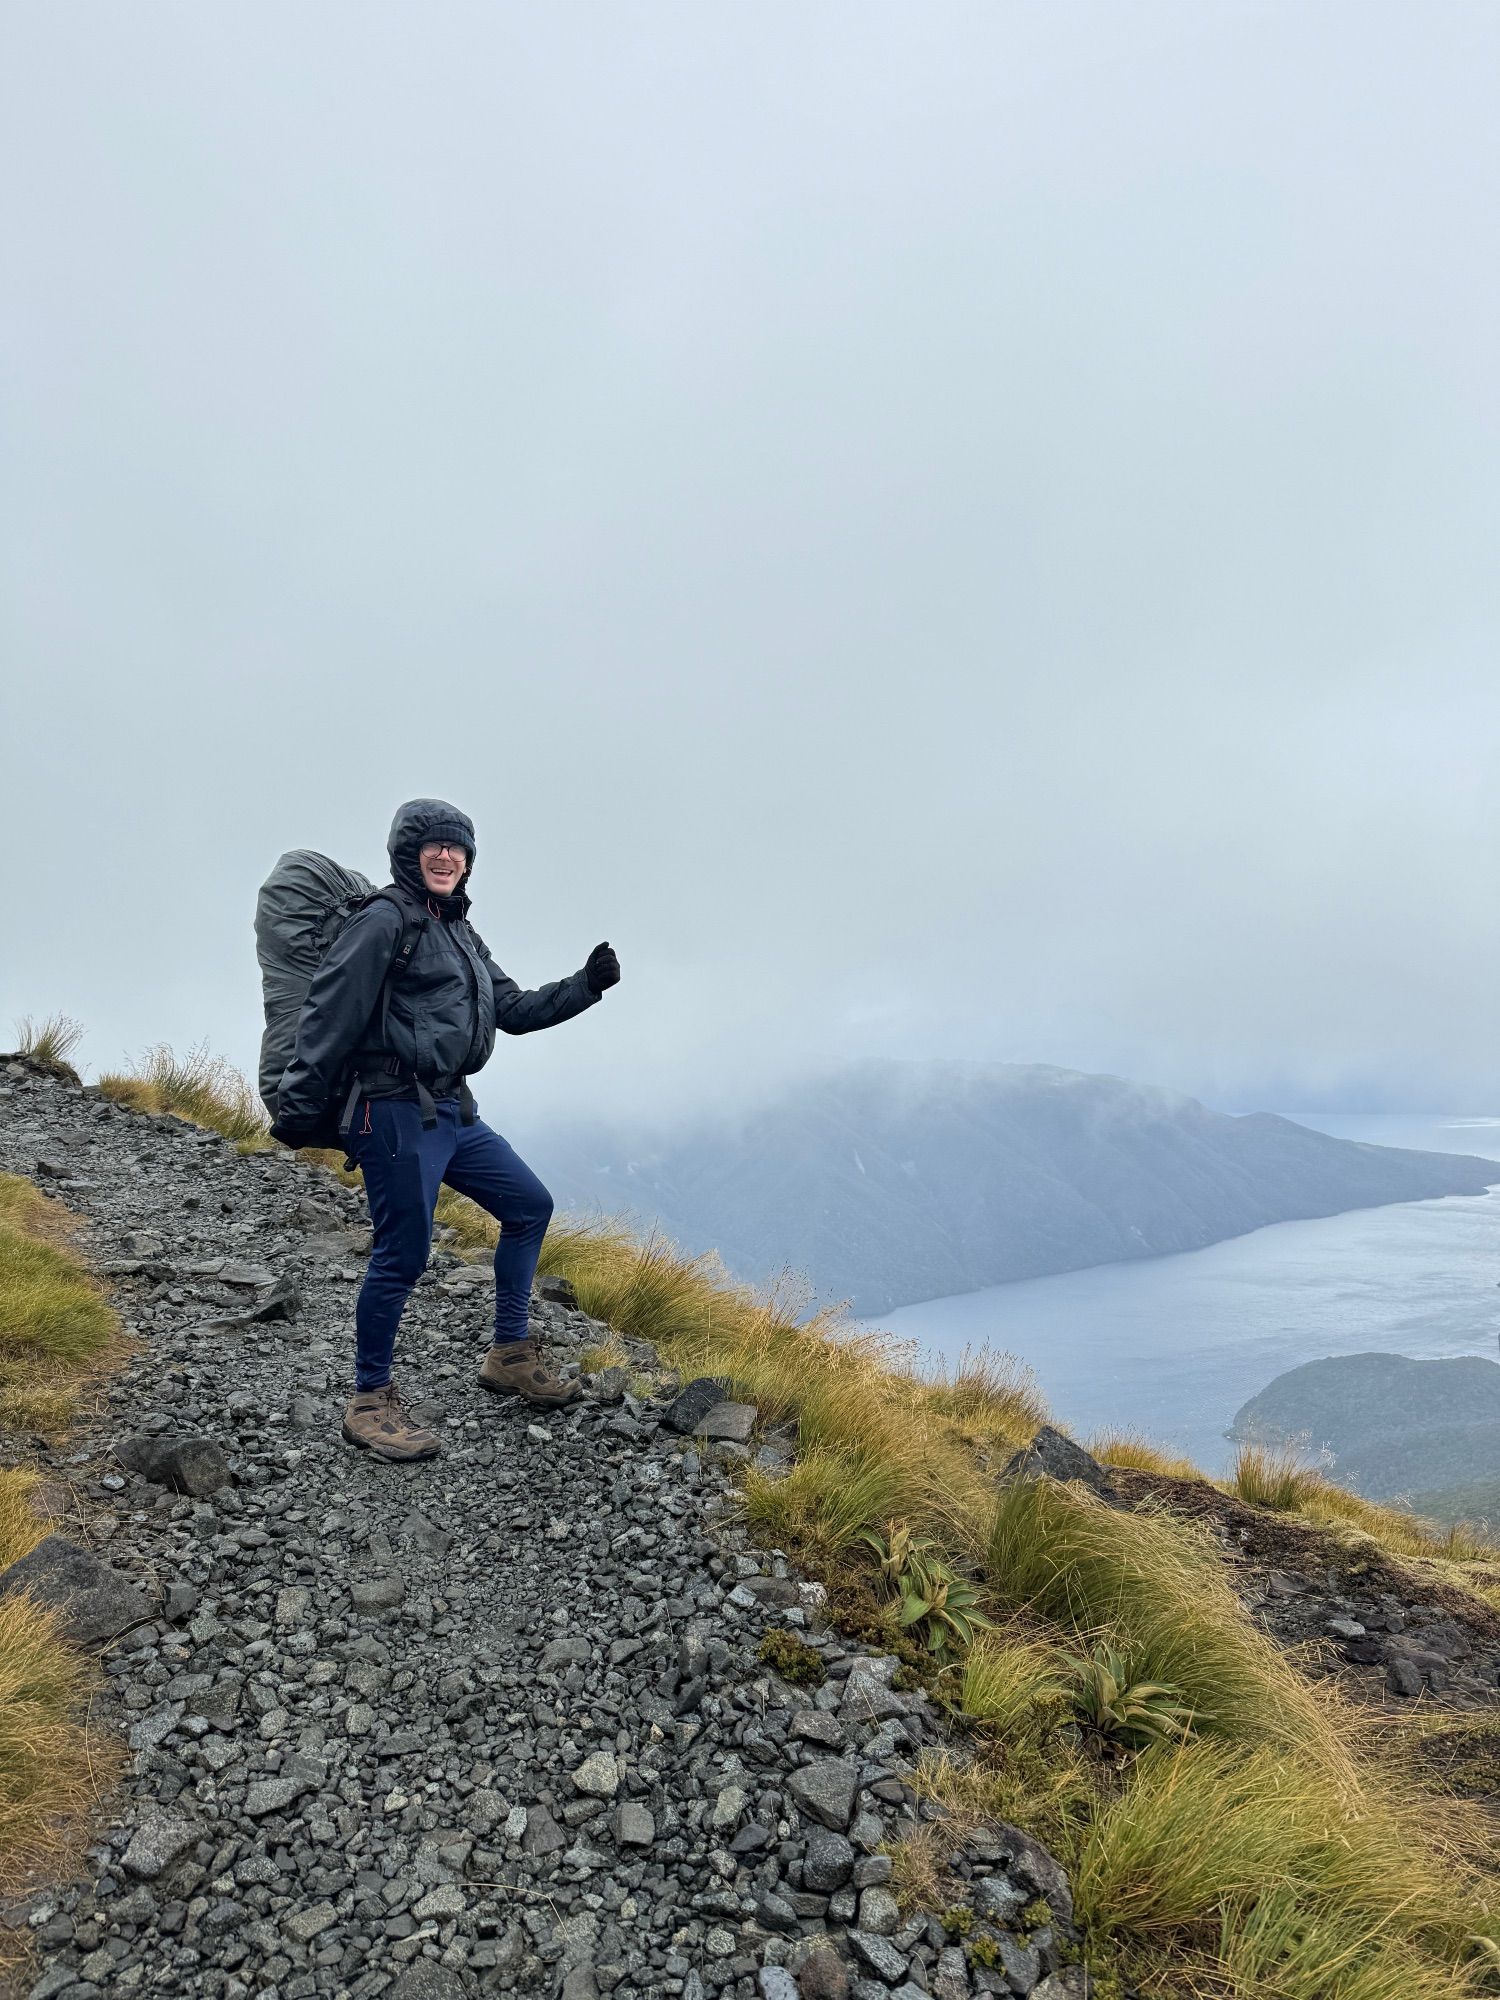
602,969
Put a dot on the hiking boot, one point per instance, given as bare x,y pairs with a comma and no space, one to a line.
515,1368
376,1422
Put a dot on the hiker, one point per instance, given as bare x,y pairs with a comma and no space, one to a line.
401,1011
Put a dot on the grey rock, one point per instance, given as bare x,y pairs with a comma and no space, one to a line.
1029,1863
94,1602
880,1955
634,1826
194,1465
269,1795
572,1651
879,1912
1403,1676
730,1422
305,1925
825,1791
426,1980
543,1835
827,1862
157,1842
598,1775
692,1403
774,1982
1054,1455
377,1593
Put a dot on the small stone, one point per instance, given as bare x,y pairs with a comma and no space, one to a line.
515,1823
377,1593
156,1844
634,1826
427,1980
571,1651
599,1775
880,1955
539,1434
305,1925
1346,1628
815,1725
543,1834
731,1422
727,1808
293,1605
776,1983
719,1943
1403,1677
444,1901
181,1602
825,1791
879,1912
193,1465
827,1862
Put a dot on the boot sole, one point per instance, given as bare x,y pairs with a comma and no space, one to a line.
536,1402
389,1457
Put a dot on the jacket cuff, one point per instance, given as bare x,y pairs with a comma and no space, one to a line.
587,991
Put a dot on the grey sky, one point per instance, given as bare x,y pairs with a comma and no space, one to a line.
958,530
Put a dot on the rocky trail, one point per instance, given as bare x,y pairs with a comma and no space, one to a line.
492,1724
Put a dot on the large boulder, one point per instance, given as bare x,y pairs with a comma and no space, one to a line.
94,1601
1053,1455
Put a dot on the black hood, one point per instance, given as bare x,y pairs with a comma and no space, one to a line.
428,819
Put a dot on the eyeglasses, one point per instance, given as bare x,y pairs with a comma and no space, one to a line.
431,849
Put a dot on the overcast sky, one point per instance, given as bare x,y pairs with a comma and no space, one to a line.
947,530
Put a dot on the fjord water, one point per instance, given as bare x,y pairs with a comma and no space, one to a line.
1171,1346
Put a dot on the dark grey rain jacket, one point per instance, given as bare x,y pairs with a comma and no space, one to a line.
435,1022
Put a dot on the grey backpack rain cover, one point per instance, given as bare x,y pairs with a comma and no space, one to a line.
303,904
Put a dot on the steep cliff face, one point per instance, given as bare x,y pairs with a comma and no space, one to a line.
892,1182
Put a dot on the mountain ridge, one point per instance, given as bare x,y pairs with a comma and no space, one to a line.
888,1183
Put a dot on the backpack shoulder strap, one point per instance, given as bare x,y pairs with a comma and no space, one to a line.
414,922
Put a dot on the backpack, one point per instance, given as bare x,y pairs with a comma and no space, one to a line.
301,907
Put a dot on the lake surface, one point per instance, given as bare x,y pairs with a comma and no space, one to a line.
1171,1346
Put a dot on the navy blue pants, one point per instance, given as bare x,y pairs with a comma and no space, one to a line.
404,1165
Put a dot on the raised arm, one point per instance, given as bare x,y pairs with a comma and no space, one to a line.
519,1012
336,1013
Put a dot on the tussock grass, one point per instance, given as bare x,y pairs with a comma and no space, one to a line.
50,1042
204,1089
49,1769
1281,1479
1280,1870
1128,1449
21,1528
1013,1684
1154,1587
56,1329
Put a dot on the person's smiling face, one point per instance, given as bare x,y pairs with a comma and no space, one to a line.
443,863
